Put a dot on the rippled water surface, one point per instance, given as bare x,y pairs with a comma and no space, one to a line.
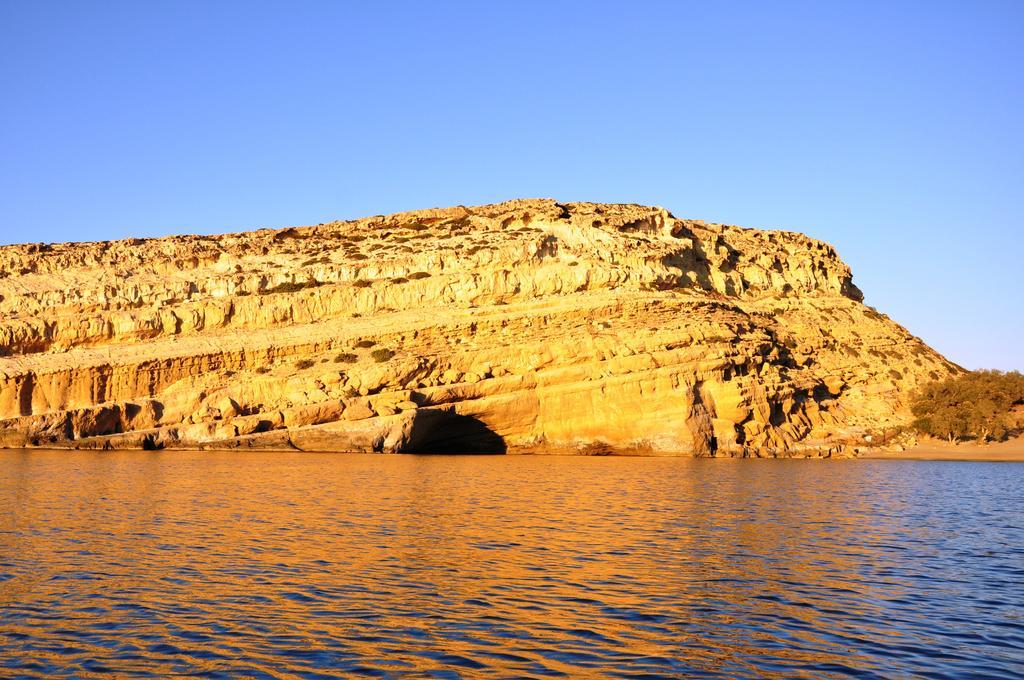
320,565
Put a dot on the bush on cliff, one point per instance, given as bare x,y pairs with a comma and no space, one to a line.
981,405
381,355
291,287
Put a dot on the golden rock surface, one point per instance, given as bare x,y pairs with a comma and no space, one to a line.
526,326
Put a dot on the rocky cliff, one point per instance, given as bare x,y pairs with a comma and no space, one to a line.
527,326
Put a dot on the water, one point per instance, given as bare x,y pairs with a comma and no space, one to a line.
319,565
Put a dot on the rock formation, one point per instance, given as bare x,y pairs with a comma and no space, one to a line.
527,326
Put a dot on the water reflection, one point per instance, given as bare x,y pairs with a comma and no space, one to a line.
260,564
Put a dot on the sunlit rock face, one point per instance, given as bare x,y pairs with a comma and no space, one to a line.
526,326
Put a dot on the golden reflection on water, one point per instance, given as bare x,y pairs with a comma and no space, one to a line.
280,564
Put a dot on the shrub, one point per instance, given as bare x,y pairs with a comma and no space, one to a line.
362,283
304,363
291,287
977,405
263,370
419,275
381,355
363,344
346,358
290,232
399,279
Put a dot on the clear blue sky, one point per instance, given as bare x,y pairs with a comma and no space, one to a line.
893,130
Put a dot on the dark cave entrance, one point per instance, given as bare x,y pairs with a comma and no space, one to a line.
438,432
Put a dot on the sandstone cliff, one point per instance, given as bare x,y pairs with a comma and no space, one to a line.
527,326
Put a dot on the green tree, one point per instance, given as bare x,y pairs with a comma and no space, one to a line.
981,405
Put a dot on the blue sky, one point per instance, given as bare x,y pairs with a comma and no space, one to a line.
892,130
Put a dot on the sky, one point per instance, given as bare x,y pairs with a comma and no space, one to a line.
892,130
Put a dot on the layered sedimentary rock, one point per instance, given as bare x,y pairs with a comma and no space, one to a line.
527,326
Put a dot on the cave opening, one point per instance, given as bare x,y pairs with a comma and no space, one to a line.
439,432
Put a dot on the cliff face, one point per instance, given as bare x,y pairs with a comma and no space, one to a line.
527,326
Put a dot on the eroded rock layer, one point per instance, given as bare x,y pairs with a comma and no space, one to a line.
527,326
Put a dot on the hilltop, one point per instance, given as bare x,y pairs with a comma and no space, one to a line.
526,326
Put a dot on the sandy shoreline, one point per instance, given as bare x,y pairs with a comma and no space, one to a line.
1012,450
